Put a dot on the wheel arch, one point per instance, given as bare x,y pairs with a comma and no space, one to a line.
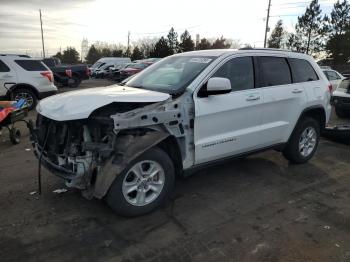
128,149
316,112
171,146
22,85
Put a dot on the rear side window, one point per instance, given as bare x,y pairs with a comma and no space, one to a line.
240,72
302,70
274,71
31,65
4,67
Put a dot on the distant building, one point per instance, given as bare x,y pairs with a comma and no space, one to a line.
197,39
84,48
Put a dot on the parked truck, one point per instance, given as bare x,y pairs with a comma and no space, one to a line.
67,75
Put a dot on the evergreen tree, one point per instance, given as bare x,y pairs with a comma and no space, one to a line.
310,29
172,41
203,44
93,55
106,52
339,48
186,43
277,35
220,43
58,55
294,42
161,49
136,54
117,53
338,45
339,21
70,56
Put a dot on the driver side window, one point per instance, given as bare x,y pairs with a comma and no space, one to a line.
240,72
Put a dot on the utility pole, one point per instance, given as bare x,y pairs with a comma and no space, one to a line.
128,49
42,33
267,23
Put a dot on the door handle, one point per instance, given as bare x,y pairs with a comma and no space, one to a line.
252,98
297,91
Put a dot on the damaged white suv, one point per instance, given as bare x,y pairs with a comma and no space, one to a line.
128,143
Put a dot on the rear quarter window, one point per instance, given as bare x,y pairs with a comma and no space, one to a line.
302,70
31,65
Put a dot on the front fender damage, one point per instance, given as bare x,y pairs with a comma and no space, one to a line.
110,141
162,120
128,149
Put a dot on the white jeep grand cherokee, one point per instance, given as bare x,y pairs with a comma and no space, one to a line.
128,143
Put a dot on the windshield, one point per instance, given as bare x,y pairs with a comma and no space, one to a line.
171,75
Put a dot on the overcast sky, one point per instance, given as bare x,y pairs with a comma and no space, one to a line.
66,22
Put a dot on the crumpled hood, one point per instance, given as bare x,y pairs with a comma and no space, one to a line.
80,104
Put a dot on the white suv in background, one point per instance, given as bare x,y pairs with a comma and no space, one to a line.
333,76
24,77
128,143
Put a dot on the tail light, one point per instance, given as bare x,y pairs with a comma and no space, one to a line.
69,72
48,75
330,88
88,71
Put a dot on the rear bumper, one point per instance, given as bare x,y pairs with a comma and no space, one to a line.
47,93
341,102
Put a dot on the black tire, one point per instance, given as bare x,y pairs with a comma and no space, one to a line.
15,136
74,82
341,113
118,202
292,151
27,94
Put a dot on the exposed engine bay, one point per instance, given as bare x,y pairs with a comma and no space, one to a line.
90,153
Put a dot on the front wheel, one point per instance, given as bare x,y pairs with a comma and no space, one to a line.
303,142
27,95
144,185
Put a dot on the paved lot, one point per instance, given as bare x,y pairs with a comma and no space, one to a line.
256,209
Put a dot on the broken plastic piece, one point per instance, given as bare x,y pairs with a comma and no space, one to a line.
60,191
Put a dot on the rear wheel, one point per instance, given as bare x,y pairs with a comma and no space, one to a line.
144,185
74,81
26,94
303,142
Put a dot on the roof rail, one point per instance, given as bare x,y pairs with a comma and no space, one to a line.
264,49
27,56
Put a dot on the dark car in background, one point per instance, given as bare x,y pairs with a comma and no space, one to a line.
131,69
67,75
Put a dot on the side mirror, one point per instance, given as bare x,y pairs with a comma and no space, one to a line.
218,85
